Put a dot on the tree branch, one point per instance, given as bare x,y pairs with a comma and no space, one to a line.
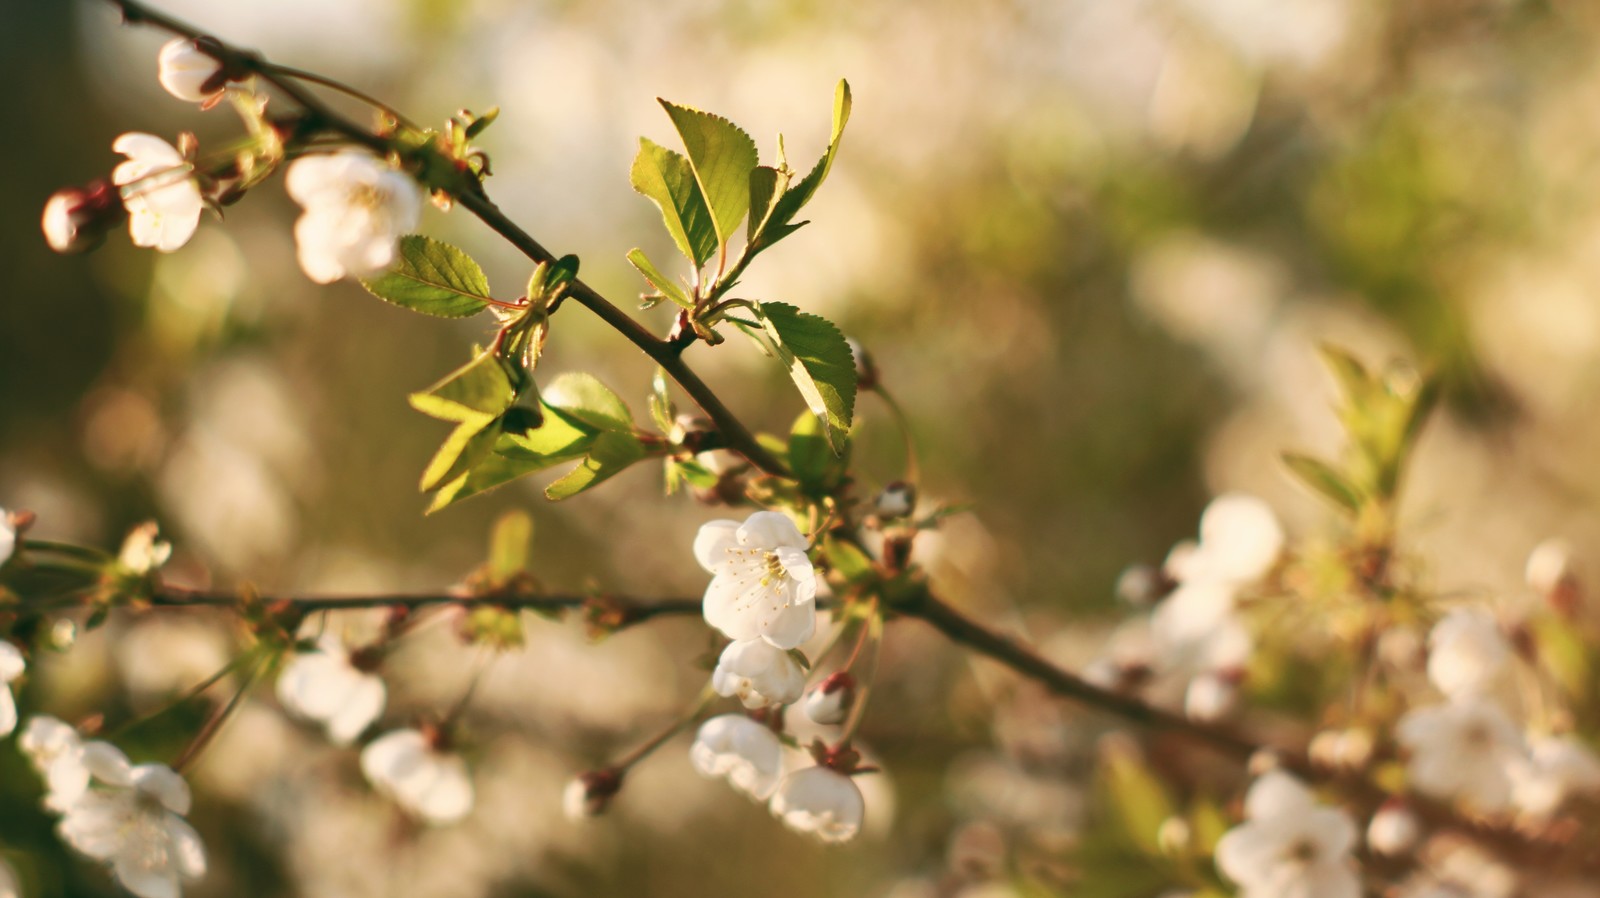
737,437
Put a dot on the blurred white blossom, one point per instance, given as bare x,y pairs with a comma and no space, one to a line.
187,72
745,753
427,782
159,192
142,552
1462,751
1467,655
1557,767
1393,830
57,754
820,802
764,586
12,665
1289,845
133,821
356,210
1240,541
8,536
325,687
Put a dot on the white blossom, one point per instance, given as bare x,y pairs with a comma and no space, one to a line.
1240,541
759,673
8,536
764,586
141,552
134,823
57,754
187,72
1210,697
160,194
745,753
821,802
1196,629
1467,655
325,687
356,210
1290,846
425,781
1462,750
1549,565
12,665
1557,767
829,702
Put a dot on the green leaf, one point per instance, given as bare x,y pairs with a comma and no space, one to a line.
663,411
610,455
667,178
1324,480
1355,382
794,198
663,284
811,457
767,185
722,157
583,398
433,278
847,559
819,361
556,438
468,445
510,544
509,461
1136,796
476,393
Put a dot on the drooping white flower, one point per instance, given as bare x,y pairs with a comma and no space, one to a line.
1394,830
187,72
745,753
425,781
820,802
829,701
12,665
57,754
765,587
1467,655
759,673
1462,751
133,821
325,687
160,194
1557,767
1289,845
356,210
1240,541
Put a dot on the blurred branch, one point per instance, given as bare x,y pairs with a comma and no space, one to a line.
665,353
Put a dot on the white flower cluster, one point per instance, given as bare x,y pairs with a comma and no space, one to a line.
763,596
356,205
1195,642
128,816
1468,748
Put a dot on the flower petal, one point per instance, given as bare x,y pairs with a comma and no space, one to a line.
712,543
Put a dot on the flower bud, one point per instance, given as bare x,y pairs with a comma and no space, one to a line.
897,500
589,793
759,673
829,701
866,368
821,802
77,219
1393,830
188,72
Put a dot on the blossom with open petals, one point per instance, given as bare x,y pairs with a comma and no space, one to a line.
1240,541
765,587
1463,751
133,821
820,802
12,665
158,190
1289,845
425,781
57,754
326,687
1557,767
759,673
736,748
356,209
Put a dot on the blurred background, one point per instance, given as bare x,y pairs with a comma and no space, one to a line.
1092,245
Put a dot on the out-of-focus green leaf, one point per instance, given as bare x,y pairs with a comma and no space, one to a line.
510,544
433,278
1136,796
1323,480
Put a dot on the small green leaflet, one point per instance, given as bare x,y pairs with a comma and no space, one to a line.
788,205
1322,479
819,361
433,278
476,393
722,157
663,284
667,178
